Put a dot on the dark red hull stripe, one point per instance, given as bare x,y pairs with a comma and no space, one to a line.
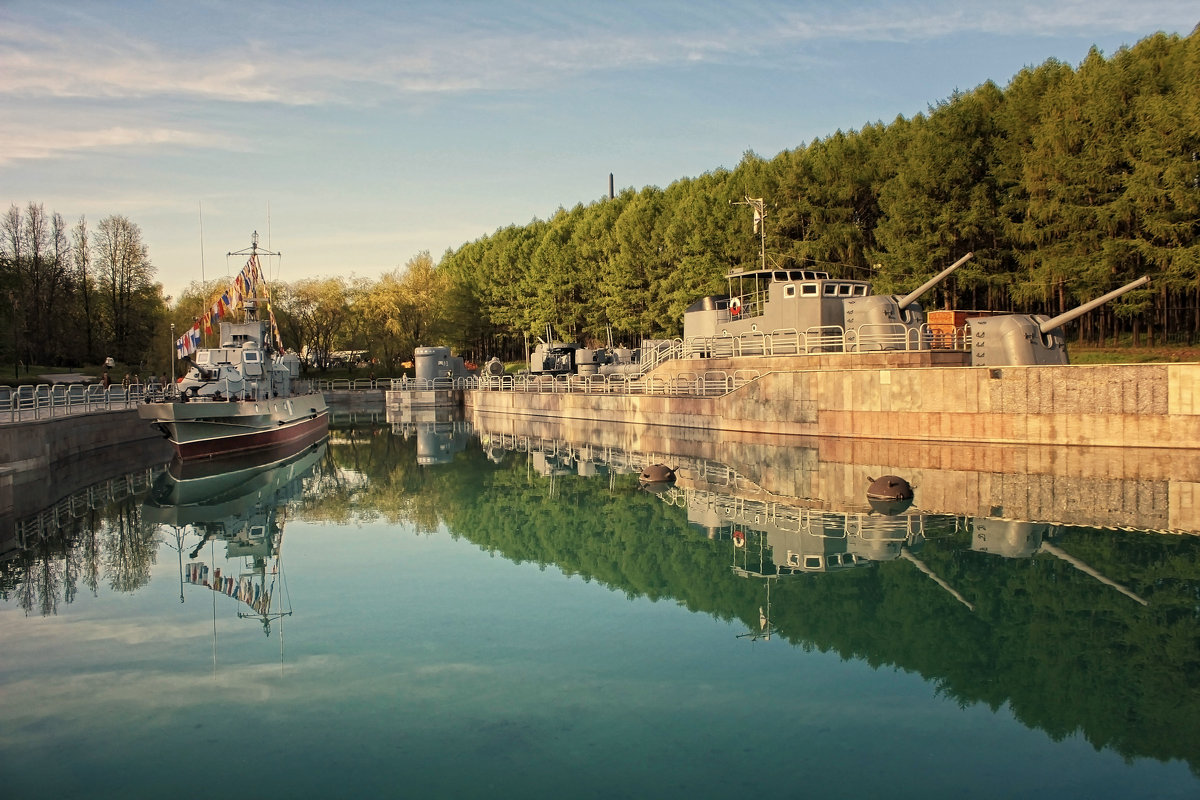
243,443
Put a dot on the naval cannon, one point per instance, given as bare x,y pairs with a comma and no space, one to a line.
1017,340
890,321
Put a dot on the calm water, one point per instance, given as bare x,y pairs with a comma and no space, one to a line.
416,611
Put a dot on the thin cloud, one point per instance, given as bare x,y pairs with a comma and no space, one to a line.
395,55
920,22
18,142
113,79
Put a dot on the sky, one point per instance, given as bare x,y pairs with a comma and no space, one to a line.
354,135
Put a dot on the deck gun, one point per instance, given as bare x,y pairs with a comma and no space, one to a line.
1017,340
890,321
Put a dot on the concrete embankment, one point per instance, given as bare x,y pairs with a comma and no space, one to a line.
41,460
1141,405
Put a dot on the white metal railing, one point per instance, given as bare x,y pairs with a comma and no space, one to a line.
826,339
875,337
393,384
660,353
350,384
713,383
45,400
889,337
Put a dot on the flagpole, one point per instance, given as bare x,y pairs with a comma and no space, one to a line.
174,352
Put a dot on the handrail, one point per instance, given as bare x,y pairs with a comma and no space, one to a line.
46,401
706,383
393,384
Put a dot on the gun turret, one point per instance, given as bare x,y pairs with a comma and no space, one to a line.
1015,340
888,321
911,297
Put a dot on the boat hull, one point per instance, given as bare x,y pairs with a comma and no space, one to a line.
207,429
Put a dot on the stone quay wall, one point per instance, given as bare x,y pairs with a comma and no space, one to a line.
42,458
1138,405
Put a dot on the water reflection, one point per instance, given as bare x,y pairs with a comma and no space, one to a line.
1021,583
1065,616
440,431
240,504
91,534
111,530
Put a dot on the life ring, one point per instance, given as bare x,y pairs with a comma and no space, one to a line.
735,307
739,539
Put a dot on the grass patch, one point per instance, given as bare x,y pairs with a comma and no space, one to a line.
1082,354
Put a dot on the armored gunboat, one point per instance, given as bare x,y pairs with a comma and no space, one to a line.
243,395
823,314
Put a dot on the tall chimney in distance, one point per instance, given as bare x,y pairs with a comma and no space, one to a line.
610,187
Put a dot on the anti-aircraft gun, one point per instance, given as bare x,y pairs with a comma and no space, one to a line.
890,321
1017,340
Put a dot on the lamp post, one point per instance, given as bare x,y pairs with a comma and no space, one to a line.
12,298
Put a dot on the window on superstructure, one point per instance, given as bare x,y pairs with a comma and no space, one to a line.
831,289
789,290
809,289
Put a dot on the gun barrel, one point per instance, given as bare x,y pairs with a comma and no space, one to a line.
1071,316
912,296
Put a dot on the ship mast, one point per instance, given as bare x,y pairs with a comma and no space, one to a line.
760,223
253,251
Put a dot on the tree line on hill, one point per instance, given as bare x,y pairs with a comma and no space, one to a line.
1066,183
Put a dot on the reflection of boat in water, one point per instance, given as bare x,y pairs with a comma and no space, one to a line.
238,502
241,395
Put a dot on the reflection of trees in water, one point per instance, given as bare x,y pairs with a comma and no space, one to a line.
129,548
89,550
368,474
115,541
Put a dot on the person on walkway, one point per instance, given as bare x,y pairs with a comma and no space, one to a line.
105,381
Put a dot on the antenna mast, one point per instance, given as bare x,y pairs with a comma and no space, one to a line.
760,223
